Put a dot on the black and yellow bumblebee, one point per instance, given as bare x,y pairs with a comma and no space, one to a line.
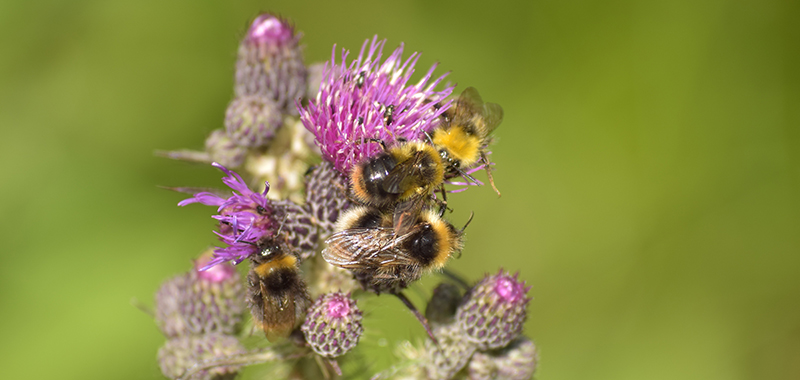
381,260
399,181
463,133
277,295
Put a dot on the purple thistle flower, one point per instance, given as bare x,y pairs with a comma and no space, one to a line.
366,99
245,218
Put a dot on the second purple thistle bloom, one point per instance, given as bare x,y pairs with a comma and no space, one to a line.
246,217
367,100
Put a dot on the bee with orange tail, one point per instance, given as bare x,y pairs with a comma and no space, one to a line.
277,295
464,134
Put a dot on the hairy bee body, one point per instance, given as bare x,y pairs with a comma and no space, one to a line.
277,295
384,261
465,133
400,173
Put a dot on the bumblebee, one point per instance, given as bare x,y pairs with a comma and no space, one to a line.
277,295
399,180
464,133
383,261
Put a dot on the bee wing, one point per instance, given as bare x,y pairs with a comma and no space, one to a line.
403,176
493,114
468,104
279,314
367,248
406,214
470,97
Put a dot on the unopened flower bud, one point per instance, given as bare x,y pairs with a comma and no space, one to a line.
452,353
252,120
182,353
325,197
220,148
333,325
443,304
270,63
168,306
517,361
201,302
494,312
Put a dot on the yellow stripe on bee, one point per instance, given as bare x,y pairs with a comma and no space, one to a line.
463,146
448,242
287,261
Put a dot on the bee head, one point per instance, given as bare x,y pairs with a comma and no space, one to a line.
269,249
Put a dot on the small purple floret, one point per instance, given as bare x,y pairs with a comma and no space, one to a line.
509,289
268,28
338,307
353,102
216,274
245,217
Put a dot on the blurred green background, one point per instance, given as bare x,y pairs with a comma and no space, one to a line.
649,164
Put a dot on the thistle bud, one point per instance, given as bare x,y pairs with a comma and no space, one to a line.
452,353
168,306
182,353
443,304
333,325
252,120
270,63
220,148
517,361
201,302
325,198
494,312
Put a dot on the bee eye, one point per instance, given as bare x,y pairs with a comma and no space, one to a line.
261,210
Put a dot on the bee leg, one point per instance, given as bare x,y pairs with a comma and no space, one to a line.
421,318
379,141
443,202
488,169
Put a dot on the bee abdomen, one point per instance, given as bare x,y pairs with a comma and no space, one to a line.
368,180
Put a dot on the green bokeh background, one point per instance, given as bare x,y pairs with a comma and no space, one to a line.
648,160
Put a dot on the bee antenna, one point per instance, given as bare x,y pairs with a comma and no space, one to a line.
467,176
428,136
285,216
379,141
471,214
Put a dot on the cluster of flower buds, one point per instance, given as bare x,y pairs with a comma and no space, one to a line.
374,207
270,77
479,334
199,312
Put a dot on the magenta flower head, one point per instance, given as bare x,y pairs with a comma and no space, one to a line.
367,99
494,311
246,217
333,325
